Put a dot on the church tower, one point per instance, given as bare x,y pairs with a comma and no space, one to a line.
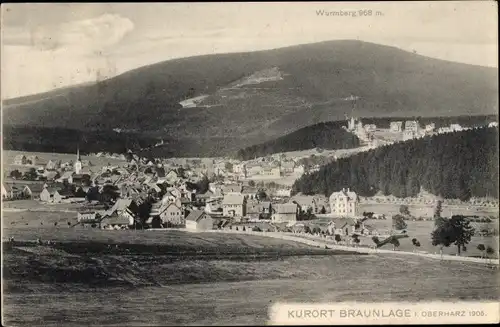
78,162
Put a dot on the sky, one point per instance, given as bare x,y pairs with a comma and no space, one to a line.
47,46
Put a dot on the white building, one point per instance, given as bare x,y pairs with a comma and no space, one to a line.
412,125
287,212
396,126
284,192
233,205
344,203
408,135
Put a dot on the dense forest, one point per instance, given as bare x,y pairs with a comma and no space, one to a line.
455,165
328,135
64,140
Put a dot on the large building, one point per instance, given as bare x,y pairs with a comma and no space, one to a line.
396,126
412,125
199,220
344,203
233,205
286,212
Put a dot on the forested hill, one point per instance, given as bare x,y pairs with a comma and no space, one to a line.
329,135
455,165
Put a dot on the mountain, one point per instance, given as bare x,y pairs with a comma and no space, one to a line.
328,136
453,165
249,98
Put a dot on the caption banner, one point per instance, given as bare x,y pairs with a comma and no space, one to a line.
385,313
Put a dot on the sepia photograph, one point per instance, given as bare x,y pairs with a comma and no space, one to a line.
244,163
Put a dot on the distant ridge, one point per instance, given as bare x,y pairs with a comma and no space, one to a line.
314,79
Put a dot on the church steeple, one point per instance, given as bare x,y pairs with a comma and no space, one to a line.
78,162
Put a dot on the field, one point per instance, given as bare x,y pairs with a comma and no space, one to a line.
174,277
72,283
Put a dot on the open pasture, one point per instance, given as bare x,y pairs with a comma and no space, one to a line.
222,292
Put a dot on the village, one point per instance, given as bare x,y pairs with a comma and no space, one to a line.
199,194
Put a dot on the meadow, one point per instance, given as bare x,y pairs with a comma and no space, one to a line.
155,290
173,277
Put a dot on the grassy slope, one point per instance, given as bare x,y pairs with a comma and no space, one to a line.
293,279
389,81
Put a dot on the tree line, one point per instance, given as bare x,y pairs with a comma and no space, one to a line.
457,165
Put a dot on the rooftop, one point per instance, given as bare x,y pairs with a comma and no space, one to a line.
233,199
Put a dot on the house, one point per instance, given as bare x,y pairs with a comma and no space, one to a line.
51,175
5,192
343,226
396,126
271,172
370,127
213,207
287,167
88,217
172,213
79,179
12,191
283,192
124,211
412,125
66,177
51,195
231,188
305,202
20,159
257,210
249,192
344,203
53,165
239,168
33,160
203,198
199,220
321,202
286,212
408,135
115,221
172,176
253,170
233,205
33,190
